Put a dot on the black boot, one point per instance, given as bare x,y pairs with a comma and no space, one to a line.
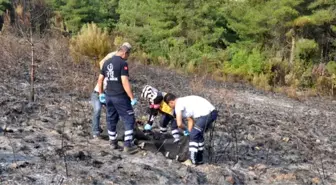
200,157
114,144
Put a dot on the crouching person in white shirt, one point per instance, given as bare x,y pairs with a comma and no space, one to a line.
200,114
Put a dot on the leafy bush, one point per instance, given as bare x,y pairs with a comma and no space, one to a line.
245,64
306,49
277,70
333,84
92,42
262,81
331,67
306,80
256,62
239,59
4,5
296,71
324,85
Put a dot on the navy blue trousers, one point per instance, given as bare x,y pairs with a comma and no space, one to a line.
201,125
120,107
165,120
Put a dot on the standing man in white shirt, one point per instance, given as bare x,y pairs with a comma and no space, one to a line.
96,104
200,114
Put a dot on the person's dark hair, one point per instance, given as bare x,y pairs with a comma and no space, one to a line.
158,99
169,97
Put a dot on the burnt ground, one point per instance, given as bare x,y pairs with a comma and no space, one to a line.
259,138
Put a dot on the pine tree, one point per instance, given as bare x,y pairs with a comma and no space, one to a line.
78,12
107,15
323,18
177,30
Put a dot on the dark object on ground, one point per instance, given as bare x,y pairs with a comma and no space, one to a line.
156,142
176,151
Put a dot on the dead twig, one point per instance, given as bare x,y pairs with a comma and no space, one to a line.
164,141
61,181
63,152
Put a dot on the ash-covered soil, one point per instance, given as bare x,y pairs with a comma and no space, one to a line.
260,138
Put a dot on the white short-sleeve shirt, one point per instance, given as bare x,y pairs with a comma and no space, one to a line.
193,106
104,85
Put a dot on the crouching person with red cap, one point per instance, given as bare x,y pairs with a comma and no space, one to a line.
200,114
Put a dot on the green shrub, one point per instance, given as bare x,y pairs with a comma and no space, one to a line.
277,70
296,71
92,42
256,62
244,64
306,80
333,84
239,59
331,67
262,81
324,85
191,66
306,49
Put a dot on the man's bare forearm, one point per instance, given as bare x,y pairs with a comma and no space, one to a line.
127,86
179,120
190,124
179,124
100,84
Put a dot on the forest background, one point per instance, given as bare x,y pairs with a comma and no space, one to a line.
276,45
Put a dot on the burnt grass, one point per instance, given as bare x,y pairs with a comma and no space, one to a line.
259,137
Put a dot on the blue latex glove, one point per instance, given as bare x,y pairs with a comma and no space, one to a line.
186,133
148,127
134,102
102,98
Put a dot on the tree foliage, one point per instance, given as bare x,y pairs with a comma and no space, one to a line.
185,31
262,41
4,5
78,12
180,31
